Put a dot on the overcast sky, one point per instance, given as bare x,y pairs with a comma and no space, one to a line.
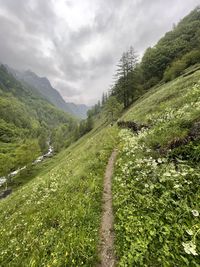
76,44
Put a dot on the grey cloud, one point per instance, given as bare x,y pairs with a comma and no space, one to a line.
21,28
80,62
66,89
36,16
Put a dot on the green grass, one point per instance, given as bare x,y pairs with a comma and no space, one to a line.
31,172
54,219
155,200
169,109
7,147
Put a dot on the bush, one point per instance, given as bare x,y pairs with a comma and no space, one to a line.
178,66
174,70
192,57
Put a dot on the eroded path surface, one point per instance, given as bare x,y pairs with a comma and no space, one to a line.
106,250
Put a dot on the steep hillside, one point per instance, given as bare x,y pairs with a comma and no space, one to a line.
43,86
27,122
54,219
177,50
156,183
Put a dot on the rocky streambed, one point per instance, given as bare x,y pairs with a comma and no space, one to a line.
5,179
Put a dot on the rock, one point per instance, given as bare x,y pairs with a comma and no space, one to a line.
195,131
135,127
5,193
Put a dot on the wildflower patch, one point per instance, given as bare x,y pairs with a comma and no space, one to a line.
154,206
156,195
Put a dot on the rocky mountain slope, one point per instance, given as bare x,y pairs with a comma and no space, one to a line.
44,87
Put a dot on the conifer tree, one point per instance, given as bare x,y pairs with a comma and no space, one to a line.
125,75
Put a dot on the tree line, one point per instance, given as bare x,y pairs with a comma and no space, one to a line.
169,58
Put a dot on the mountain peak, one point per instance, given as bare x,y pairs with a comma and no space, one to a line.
44,87
29,73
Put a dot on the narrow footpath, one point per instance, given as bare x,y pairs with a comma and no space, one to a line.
106,249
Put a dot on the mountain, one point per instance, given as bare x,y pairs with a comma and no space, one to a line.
155,196
44,87
27,122
174,52
56,219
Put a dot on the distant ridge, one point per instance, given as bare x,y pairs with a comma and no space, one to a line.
44,87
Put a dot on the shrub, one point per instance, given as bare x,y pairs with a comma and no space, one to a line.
174,70
178,66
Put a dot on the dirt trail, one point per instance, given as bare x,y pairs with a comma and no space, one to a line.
106,250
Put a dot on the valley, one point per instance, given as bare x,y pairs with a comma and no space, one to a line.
116,184
81,169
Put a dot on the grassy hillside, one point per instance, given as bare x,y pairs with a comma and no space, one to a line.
156,183
27,121
54,219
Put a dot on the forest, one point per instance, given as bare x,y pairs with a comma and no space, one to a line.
168,59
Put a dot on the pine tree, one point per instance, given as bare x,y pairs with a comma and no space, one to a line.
103,99
125,83
112,109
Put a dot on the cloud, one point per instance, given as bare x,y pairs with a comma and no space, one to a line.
76,44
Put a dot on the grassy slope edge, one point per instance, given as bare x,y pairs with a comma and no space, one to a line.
156,200
54,219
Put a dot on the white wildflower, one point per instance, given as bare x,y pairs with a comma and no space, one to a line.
195,213
154,164
190,232
190,248
167,174
184,173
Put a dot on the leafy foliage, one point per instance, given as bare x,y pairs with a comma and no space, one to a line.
156,196
112,109
183,39
154,204
177,67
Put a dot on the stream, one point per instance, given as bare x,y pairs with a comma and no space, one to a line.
3,179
